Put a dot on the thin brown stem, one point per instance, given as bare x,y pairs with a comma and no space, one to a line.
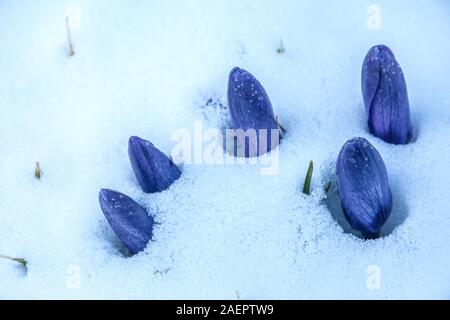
283,130
37,171
281,47
19,260
69,38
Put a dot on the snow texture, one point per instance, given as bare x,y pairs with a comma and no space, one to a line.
147,68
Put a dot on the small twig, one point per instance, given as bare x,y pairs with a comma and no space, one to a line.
279,125
307,185
37,171
19,260
281,48
69,38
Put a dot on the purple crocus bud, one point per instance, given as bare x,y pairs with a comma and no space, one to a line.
154,171
363,187
385,96
127,218
251,113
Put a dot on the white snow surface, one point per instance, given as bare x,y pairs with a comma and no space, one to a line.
147,68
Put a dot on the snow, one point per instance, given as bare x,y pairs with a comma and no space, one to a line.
147,68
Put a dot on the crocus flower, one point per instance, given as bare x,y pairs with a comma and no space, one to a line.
250,108
363,187
154,171
385,96
127,218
